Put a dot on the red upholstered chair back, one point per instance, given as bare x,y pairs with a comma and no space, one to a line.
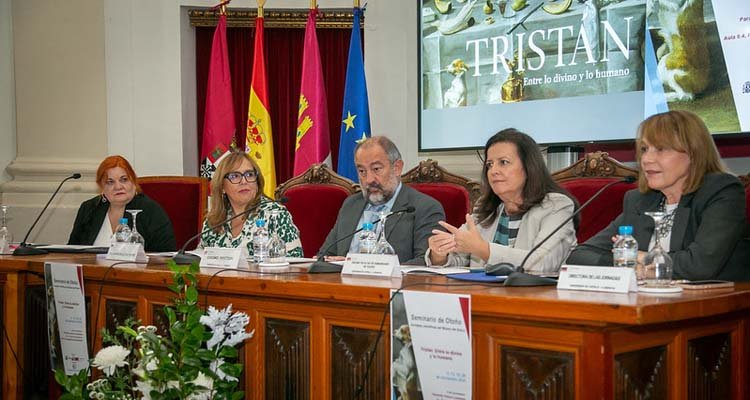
183,198
586,177
456,193
314,199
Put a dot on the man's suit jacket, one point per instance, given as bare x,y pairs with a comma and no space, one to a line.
407,233
708,235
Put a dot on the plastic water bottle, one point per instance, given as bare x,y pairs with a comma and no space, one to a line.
367,239
625,249
122,232
260,241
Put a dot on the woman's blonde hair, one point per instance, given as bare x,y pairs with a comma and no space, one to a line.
219,201
685,132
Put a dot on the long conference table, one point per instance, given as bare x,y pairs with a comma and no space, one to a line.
314,332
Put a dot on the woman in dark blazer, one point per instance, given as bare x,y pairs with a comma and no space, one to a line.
98,217
681,173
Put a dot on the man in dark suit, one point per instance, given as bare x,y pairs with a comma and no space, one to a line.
379,166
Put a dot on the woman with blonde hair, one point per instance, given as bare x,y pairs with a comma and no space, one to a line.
681,173
237,186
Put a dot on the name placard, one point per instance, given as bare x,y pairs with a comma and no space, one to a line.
385,265
224,257
127,252
600,279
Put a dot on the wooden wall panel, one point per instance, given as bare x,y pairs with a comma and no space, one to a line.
709,367
287,362
350,348
536,374
641,374
117,311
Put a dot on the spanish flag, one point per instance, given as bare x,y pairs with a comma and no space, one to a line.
259,140
313,142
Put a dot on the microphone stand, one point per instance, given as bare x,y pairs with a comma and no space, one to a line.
520,277
23,248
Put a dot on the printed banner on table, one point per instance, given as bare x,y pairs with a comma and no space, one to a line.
66,317
431,354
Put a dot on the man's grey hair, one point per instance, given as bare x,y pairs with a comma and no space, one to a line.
386,144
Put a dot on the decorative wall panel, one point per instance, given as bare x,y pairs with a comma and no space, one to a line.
350,348
287,363
641,374
536,374
709,367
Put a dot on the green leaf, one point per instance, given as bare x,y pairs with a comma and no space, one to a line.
231,369
205,354
192,361
127,330
238,395
191,294
228,352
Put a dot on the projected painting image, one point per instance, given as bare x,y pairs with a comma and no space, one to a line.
478,52
687,59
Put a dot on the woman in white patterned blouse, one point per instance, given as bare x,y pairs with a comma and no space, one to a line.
236,187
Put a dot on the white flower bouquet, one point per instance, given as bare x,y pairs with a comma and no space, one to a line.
193,362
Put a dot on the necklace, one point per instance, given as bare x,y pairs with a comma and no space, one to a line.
665,228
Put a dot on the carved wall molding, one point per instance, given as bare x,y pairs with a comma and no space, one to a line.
595,165
279,18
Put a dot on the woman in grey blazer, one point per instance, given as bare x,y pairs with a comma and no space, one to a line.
519,206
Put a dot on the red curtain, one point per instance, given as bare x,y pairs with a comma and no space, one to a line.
284,57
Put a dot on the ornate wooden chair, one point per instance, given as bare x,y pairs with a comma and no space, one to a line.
456,193
314,199
183,198
584,178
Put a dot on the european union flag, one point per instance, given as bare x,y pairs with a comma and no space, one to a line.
355,118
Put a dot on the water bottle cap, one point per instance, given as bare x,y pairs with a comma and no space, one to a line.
625,230
260,222
367,226
123,221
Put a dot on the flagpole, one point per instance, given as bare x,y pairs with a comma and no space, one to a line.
356,3
313,4
261,3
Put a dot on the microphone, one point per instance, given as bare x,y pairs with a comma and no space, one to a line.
24,249
520,278
321,266
184,258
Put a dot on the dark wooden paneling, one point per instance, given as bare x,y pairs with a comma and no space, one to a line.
36,356
349,351
159,319
709,367
536,374
641,374
117,311
287,363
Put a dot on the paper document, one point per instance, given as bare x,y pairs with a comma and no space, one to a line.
438,271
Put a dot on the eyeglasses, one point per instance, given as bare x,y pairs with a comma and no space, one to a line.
236,177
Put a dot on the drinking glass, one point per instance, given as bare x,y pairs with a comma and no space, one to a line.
382,246
276,246
5,235
136,237
658,263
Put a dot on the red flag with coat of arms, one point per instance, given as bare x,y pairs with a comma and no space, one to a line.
313,142
218,125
